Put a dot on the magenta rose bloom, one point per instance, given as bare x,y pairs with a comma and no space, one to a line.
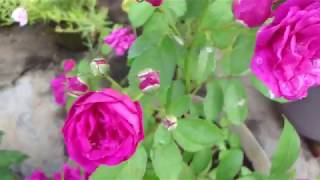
103,128
252,13
70,173
287,54
120,39
37,175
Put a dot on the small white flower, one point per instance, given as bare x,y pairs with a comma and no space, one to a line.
20,15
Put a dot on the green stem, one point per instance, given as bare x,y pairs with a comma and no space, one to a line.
113,82
139,96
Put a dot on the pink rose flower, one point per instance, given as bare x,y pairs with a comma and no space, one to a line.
120,40
149,80
70,173
155,2
252,13
103,128
20,15
63,85
287,54
37,175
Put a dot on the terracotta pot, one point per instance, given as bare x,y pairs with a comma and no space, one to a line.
305,114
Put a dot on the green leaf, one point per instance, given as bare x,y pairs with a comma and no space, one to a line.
187,173
242,53
70,101
179,7
195,8
287,151
157,24
180,106
219,14
205,134
134,168
105,50
142,44
162,136
213,102
230,164
6,174
150,174
264,90
235,101
201,160
167,161
139,13
83,68
7,158
1,136
177,90
206,65
107,173
224,37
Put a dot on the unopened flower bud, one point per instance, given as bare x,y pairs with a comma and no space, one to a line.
149,80
99,67
69,65
155,2
75,86
252,13
170,122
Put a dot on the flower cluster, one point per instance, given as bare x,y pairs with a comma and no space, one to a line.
67,173
64,84
120,40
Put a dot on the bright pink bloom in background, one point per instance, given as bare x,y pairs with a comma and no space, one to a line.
252,13
62,84
103,128
155,2
149,80
69,173
287,54
20,15
120,40
69,65
37,175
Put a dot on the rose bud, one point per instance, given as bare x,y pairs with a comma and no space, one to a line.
155,2
69,65
149,80
252,13
103,128
170,122
99,67
75,86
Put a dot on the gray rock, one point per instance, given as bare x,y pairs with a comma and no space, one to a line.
32,122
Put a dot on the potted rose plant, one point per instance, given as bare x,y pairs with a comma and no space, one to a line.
180,112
